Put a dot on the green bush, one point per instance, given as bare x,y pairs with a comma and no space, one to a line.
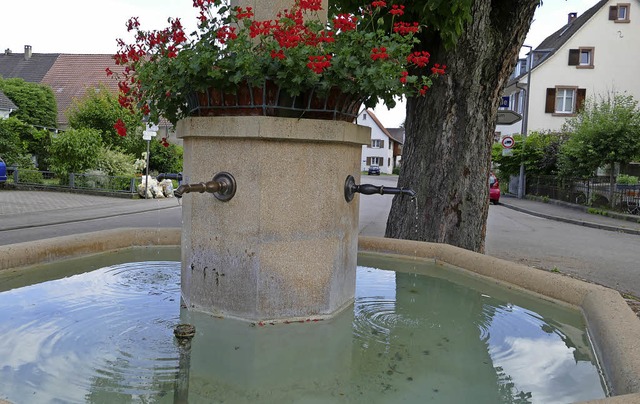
30,176
165,159
74,151
115,162
624,179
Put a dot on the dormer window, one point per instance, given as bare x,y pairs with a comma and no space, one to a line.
619,12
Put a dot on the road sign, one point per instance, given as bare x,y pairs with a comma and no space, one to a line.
507,142
504,102
148,134
508,117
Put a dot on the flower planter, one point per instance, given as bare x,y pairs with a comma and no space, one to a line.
270,100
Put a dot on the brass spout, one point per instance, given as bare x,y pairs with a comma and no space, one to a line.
350,188
222,186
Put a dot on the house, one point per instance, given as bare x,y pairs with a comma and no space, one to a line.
592,56
68,75
6,106
385,147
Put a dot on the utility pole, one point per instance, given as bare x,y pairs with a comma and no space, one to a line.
525,121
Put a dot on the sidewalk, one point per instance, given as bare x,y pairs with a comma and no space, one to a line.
575,214
26,209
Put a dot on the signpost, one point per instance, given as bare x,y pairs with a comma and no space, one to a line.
147,135
508,117
507,142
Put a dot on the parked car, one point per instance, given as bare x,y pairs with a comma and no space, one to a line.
3,171
374,170
494,189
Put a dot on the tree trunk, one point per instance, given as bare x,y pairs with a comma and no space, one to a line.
448,134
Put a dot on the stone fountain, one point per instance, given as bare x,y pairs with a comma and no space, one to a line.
270,233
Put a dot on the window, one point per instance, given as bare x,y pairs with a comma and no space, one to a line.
619,12
377,143
518,100
582,58
564,100
376,161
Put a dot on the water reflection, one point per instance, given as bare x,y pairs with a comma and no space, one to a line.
107,336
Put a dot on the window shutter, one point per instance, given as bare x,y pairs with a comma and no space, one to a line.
382,144
550,102
368,161
574,57
613,12
580,97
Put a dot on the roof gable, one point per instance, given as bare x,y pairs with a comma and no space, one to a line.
32,69
558,38
6,104
377,122
397,134
555,41
71,75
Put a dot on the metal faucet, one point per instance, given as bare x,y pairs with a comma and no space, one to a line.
350,188
222,186
170,176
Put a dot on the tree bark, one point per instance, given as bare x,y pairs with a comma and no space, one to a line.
448,134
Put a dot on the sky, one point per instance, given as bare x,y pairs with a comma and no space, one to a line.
86,26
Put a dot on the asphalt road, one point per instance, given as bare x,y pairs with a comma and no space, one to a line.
601,256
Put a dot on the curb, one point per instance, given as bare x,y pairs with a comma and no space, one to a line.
82,219
572,221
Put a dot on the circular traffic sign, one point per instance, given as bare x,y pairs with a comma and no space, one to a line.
508,142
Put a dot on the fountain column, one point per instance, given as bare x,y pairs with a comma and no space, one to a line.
285,246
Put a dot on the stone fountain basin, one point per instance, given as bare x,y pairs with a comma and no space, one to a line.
613,327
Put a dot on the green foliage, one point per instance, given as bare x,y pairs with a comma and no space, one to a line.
36,103
11,145
595,211
75,151
115,162
18,138
99,109
165,159
539,155
30,175
363,55
624,179
445,19
605,132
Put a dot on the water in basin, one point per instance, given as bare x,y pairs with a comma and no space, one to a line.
417,332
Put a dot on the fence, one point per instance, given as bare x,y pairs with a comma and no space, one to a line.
596,192
87,182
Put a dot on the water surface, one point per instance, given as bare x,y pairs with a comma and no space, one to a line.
417,332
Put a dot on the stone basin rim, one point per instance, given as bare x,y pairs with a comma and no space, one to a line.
612,325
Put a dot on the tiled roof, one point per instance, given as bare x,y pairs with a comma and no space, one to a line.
33,69
380,125
555,41
397,134
71,75
5,103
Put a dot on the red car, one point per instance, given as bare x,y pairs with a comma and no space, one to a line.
494,189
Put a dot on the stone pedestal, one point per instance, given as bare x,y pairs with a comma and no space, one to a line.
285,246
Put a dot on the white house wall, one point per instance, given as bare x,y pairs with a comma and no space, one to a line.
385,153
616,60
